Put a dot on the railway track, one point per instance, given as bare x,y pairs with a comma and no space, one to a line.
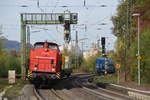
37,95
56,94
106,94
47,95
77,87
51,93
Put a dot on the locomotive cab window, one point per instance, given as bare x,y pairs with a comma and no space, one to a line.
39,46
54,47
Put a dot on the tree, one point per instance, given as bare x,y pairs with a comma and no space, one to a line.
125,28
9,60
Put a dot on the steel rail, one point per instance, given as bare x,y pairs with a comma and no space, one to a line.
106,93
37,94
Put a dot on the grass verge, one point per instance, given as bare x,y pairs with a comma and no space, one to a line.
103,81
3,83
108,78
15,90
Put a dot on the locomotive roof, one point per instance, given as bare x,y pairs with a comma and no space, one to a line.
46,42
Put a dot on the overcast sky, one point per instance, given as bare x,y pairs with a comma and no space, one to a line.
91,15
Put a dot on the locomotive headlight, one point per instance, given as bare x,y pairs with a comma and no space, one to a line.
35,68
53,69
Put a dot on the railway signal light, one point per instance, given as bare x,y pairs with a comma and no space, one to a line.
67,31
61,19
103,45
103,40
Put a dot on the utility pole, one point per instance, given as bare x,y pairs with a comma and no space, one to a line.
82,43
76,41
76,49
98,40
28,37
138,48
139,74
23,48
28,46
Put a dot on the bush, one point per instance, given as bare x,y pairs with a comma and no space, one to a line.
145,61
89,64
8,62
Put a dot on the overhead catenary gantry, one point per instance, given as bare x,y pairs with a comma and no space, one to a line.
65,18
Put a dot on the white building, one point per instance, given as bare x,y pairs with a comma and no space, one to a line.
92,52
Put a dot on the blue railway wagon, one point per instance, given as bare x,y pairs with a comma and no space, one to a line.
104,65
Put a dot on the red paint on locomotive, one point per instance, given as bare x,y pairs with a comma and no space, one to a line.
45,57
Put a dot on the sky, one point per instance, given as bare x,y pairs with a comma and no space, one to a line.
92,15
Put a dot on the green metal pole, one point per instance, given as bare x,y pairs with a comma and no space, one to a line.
28,46
23,48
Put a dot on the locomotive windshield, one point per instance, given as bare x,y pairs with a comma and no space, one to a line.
39,46
55,47
47,45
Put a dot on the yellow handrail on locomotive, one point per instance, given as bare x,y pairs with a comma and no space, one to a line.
63,62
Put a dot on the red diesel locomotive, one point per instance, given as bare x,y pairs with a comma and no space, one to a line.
45,62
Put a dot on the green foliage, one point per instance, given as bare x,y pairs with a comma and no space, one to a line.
125,28
145,61
15,90
8,61
3,83
108,78
89,64
145,52
1,46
